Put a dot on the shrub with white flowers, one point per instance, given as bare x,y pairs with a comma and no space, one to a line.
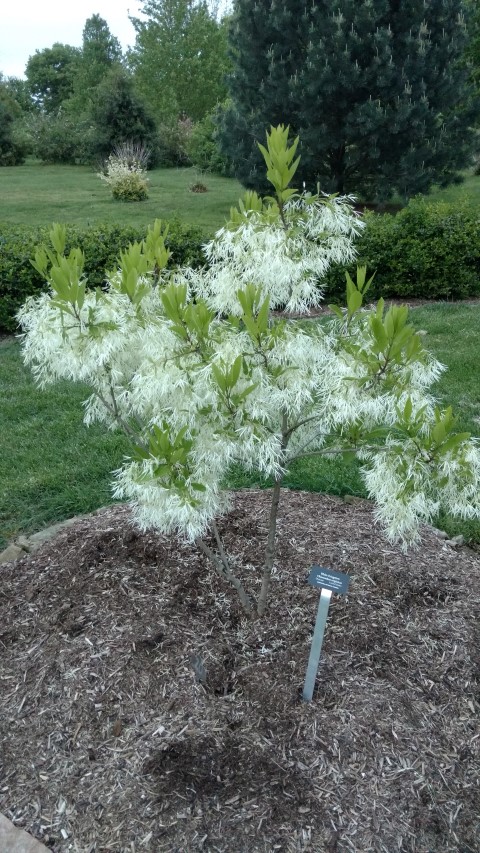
125,172
201,372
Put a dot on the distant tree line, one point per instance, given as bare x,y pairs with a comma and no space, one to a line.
385,95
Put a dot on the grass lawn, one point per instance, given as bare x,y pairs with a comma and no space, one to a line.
52,467
467,191
38,195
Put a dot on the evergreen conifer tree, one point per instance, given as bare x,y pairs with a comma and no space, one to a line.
119,115
375,90
101,52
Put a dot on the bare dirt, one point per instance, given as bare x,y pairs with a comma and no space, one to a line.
141,712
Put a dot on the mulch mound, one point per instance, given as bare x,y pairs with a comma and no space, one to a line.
141,711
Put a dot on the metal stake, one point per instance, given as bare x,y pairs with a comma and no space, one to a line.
316,647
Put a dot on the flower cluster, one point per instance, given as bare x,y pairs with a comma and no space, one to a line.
126,176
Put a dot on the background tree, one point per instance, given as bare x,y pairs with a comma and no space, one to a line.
473,47
179,59
51,74
100,52
120,115
20,92
11,151
375,90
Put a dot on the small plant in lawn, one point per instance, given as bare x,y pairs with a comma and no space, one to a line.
125,172
201,375
136,155
198,186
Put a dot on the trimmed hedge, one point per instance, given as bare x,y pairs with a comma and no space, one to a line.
426,251
429,250
101,245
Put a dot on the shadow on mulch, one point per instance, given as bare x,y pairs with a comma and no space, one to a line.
140,710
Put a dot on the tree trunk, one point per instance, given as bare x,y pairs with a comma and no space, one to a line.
270,549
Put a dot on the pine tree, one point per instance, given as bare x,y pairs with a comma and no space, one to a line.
375,90
472,52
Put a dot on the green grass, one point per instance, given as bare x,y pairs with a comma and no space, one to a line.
468,191
38,195
52,467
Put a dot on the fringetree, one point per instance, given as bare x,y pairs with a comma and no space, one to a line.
202,371
376,90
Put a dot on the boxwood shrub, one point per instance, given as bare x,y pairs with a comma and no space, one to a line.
428,250
101,245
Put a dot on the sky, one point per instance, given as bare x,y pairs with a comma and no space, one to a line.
30,25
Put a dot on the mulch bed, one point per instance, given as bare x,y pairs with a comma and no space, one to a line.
110,742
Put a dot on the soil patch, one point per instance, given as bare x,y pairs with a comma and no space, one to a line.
141,711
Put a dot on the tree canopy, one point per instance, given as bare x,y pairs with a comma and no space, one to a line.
51,74
376,91
180,58
11,152
119,114
100,52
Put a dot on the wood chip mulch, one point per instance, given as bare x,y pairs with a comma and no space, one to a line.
141,712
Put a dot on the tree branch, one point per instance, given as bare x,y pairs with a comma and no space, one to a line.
113,409
224,571
272,528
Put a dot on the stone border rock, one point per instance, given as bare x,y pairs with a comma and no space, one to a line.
23,545
16,840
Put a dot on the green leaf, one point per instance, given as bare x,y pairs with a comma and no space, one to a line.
139,453
162,470
337,311
438,432
407,409
379,333
58,237
262,318
235,371
219,378
354,302
251,327
454,441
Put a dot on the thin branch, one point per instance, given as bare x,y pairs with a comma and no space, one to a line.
272,528
334,451
221,549
300,452
113,409
299,424
226,573
270,549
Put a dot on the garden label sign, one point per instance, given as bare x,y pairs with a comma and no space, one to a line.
328,581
